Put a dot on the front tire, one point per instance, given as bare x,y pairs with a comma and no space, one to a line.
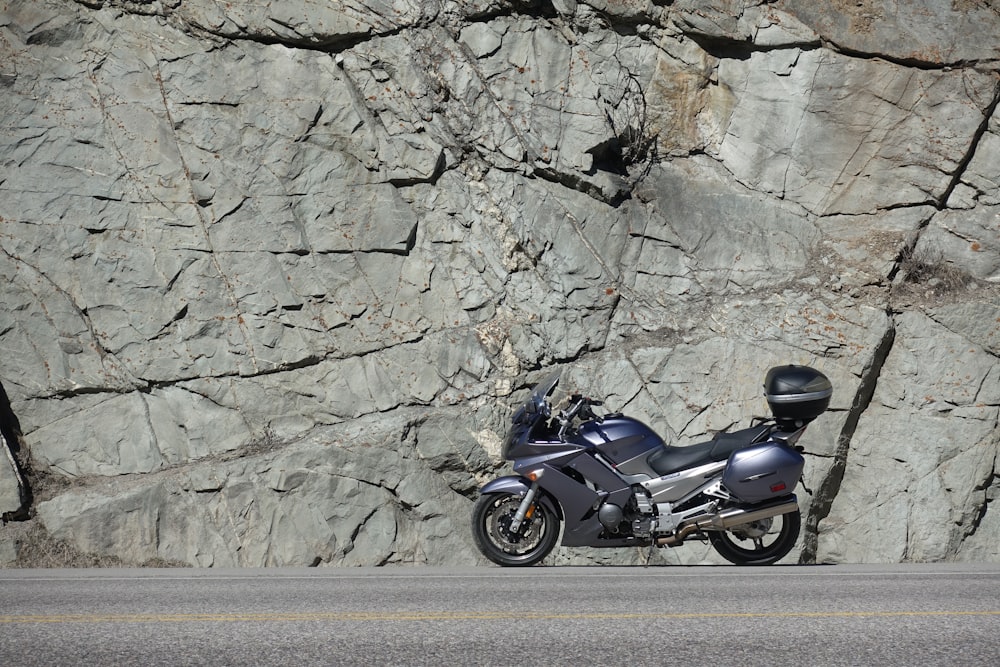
491,519
758,542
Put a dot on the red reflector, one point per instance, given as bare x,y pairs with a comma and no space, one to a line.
780,486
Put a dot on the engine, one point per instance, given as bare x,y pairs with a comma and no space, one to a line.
638,518
644,517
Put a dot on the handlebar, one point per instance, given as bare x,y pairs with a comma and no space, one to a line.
580,406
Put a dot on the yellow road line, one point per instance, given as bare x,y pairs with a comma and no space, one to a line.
455,616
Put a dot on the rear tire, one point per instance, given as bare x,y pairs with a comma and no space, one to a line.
536,537
758,542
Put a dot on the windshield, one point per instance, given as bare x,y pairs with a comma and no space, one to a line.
543,389
534,412
536,403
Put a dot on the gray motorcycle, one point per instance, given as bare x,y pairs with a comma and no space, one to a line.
610,481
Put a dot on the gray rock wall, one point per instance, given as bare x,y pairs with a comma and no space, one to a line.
273,274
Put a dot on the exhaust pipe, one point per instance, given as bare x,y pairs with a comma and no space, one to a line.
727,519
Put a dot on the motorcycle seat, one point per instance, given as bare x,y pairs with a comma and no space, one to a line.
671,459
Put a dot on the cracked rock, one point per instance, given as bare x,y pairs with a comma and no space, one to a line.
273,274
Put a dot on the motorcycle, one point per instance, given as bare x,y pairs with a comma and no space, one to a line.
610,481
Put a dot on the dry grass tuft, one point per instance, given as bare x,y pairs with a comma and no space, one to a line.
36,548
926,276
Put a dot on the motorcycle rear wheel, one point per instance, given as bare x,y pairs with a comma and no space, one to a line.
759,542
530,544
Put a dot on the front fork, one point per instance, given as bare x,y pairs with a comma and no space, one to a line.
525,509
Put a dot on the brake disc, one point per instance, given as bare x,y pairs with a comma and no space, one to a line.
500,523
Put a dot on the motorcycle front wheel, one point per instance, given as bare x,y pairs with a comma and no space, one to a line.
763,542
532,542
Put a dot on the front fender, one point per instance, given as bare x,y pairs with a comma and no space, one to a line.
517,485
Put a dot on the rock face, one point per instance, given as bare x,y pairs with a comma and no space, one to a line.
272,274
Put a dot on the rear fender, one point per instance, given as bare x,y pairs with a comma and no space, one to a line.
517,485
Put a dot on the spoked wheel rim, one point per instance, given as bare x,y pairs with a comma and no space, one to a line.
514,543
534,539
761,542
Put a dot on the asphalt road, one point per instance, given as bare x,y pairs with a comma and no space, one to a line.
794,615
